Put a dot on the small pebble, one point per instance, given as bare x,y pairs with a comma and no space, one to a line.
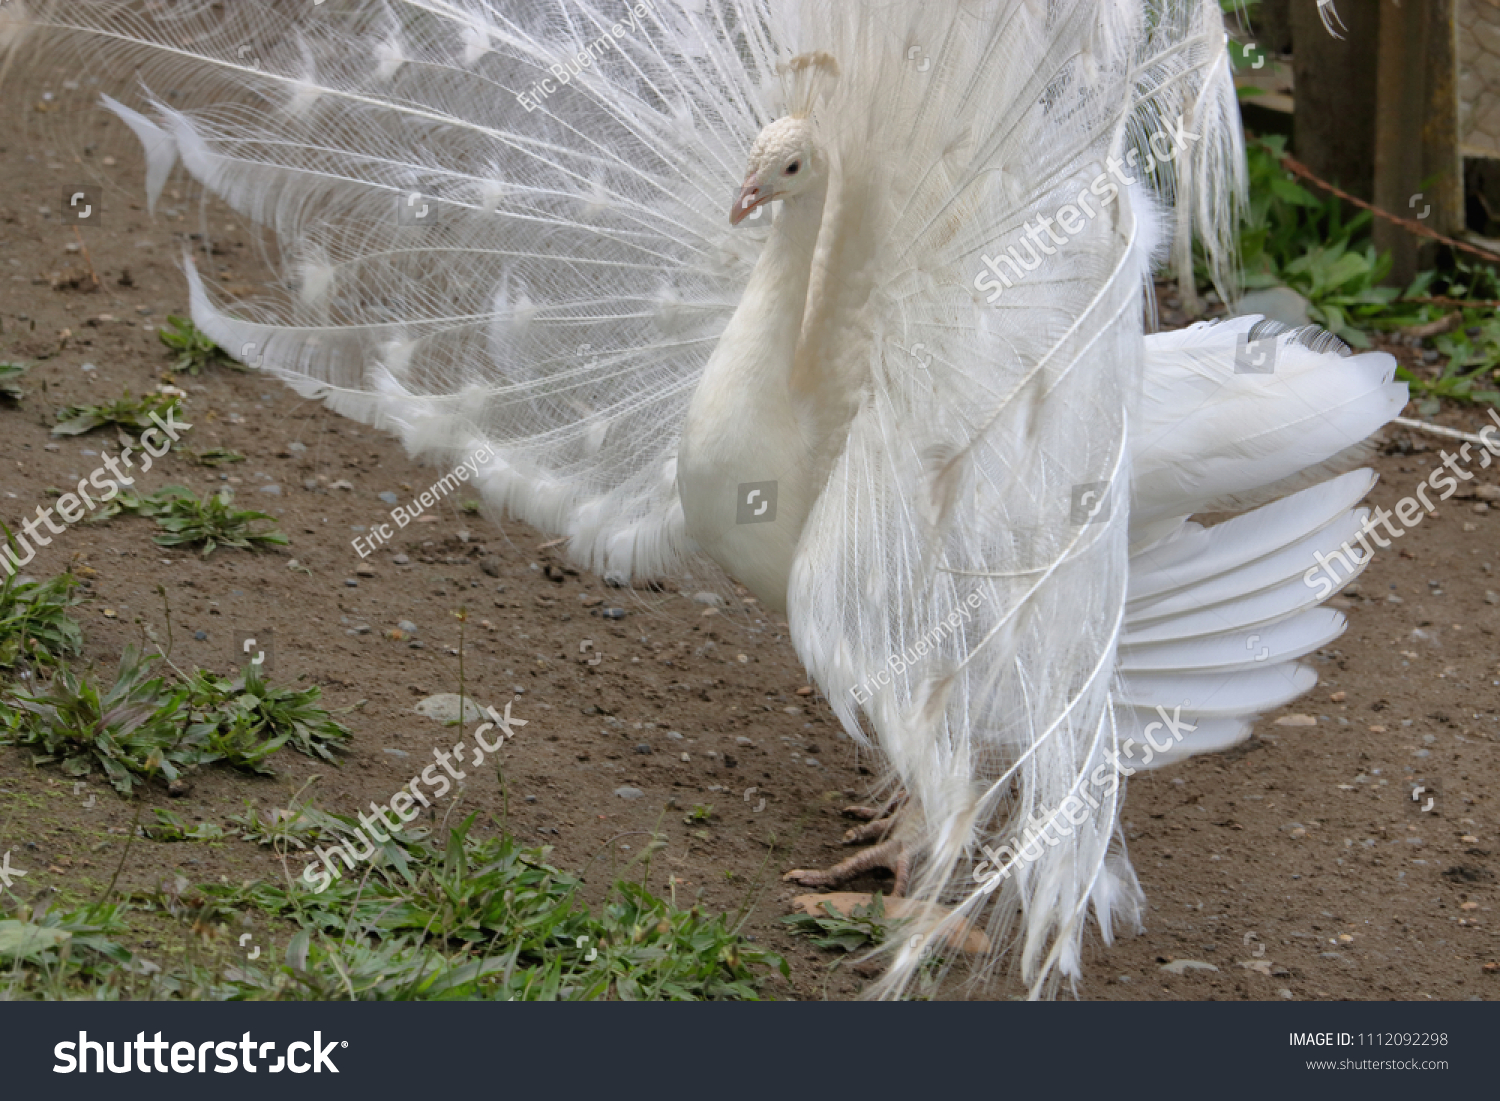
1182,967
201,636
629,792
274,490
408,626
396,752
401,560
643,748
713,600
613,613
388,497
1296,720
349,582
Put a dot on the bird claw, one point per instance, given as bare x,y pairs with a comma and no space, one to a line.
888,854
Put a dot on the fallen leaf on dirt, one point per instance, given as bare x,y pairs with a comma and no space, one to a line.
903,909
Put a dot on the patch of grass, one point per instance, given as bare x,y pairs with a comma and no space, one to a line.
141,727
169,826
248,708
194,349
63,948
130,729
286,828
131,414
34,621
487,919
474,919
187,520
10,380
699,813
1471,346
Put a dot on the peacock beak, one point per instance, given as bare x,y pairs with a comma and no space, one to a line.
752,197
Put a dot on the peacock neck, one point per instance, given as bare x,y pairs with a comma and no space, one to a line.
745,424
771,312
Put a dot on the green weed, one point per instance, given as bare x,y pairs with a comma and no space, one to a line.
131,414
195,350
10,380
187,520
34,621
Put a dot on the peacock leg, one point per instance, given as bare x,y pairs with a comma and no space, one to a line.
870,831
882,810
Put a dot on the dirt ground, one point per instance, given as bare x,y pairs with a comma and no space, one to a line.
1304,845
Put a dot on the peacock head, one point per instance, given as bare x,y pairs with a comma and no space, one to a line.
784,163
785,160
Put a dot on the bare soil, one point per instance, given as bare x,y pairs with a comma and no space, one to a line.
1305,844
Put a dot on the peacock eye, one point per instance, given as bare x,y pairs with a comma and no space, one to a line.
793,168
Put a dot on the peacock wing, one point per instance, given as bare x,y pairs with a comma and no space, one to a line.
499,225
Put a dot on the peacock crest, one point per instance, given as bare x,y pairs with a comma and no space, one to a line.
806,79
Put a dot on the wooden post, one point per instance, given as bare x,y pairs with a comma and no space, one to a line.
1273,28
1333,130
1418,173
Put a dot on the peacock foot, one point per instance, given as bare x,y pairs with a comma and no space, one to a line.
890,854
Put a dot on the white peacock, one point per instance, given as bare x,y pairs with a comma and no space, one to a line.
973,507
